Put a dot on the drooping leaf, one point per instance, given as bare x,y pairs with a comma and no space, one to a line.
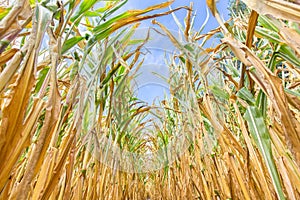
16,130
277,8
261,137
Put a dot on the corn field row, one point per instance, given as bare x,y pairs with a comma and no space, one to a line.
66,101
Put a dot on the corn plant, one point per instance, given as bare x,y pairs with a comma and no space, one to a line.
72,127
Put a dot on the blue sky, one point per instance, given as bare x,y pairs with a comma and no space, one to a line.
150,86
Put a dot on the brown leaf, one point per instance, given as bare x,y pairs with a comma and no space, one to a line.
249,39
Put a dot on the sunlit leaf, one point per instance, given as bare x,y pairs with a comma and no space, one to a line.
261,136
71,43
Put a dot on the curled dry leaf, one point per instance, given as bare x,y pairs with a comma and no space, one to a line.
277,8
15,130
237,49
291,38
7,55
15,19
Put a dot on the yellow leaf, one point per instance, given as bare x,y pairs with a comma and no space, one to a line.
29,25
212,6
7,55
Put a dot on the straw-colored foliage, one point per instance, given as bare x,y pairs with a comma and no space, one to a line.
65,82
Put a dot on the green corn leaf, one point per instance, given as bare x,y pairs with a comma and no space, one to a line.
114,9
233,70
268,34
261,103
219,92
246,95
287,53
71,43
3,12
41,79
83,7
74,70
267,23
297,94
259,132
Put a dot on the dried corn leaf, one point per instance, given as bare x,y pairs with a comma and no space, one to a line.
277,8
15,19
13,129
291,37
273,88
